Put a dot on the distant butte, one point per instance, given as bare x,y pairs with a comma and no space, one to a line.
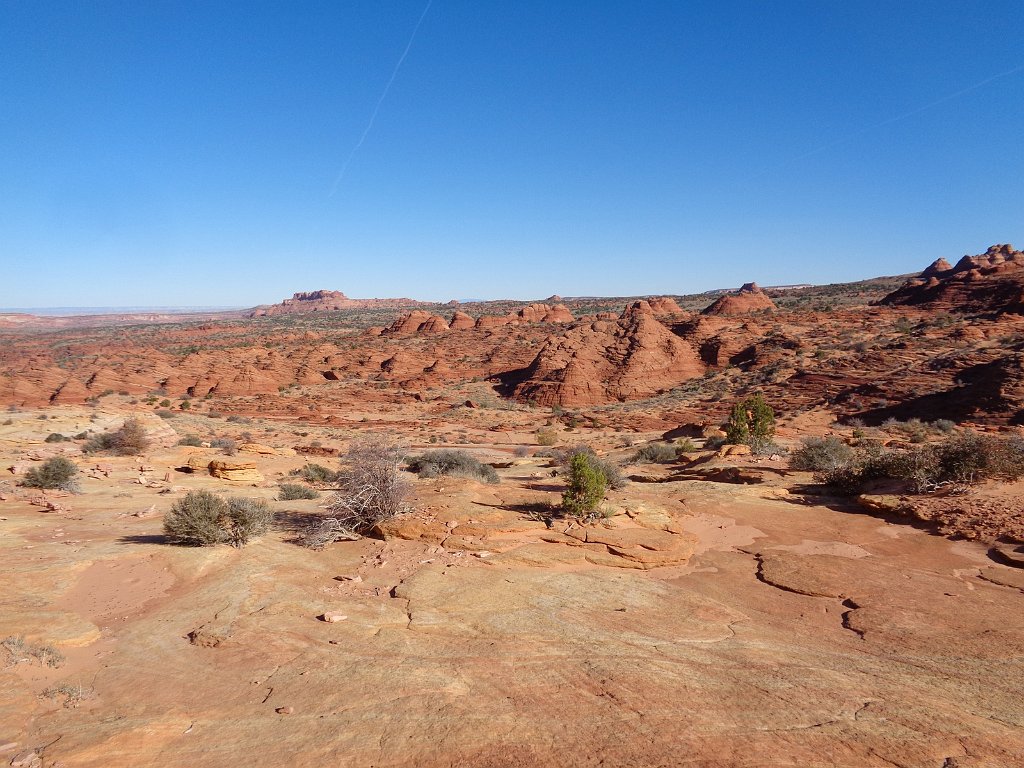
326,301
749,298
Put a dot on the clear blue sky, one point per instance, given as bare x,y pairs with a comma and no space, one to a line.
173,153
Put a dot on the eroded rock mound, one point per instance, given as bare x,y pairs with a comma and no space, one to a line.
636,356
417,323
749,298
990,282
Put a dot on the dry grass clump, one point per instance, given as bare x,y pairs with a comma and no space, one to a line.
57,473
452,462
295,491
19,651
961,460
204,519
129,440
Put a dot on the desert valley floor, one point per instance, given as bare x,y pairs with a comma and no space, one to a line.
726,609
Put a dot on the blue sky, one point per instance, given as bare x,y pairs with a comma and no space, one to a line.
187,153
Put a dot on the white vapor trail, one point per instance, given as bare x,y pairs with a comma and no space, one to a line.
904,116
383,95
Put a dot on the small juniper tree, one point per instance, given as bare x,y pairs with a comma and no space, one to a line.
586,486
752,420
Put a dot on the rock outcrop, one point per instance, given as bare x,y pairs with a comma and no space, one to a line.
461,321
326,301
749,298
633,357
417,323
992,282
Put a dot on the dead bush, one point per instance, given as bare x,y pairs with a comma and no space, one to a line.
372,488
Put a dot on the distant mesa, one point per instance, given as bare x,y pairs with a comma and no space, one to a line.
326,301
991,282
749,298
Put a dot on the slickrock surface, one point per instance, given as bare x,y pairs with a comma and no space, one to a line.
754,632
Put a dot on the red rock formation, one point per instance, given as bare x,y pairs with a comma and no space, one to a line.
416,323
990,282
634,357
326,301
461,321
663,305
749,298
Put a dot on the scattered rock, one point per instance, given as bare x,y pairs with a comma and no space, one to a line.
332,617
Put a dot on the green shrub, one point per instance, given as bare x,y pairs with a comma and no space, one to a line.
294,491
613,476
750,419
655,453
57,473
586,487
165,403
821,454
452,462
204,519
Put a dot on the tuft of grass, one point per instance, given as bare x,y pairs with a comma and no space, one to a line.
294,491
452,462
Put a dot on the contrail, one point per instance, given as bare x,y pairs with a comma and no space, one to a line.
904,116
383,95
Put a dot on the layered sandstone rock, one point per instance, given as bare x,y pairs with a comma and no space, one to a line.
990,282
417,323
634,357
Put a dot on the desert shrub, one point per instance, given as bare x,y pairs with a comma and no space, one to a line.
546,437
765,446
203,519
226,445
192,440
294,491
613,476
57,473
750,419
821,454
128,440
452,462
586,487
55,437
185,405
165,403
372,488
714,442
963,459
685,445
944,425
521,451
165,414
654,453
20,650
247,518
316,473
236,419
